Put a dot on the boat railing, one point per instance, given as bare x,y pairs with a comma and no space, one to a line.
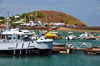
79,45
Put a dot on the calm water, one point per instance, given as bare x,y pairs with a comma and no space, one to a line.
55,59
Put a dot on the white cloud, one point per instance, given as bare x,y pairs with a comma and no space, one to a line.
99,8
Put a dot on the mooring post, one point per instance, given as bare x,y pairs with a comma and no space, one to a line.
68,51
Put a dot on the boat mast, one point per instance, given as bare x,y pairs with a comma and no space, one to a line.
7,25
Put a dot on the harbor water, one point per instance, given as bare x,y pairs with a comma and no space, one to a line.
76,58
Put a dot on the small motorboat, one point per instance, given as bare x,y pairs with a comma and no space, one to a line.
71,36
88,34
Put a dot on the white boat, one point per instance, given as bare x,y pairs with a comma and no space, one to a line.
56,33
88,34
43,32
84,34
34,35
17,41
71,36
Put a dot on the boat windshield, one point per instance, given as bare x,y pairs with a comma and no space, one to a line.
27,37
11,36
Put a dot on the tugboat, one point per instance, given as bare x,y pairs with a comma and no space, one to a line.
15,41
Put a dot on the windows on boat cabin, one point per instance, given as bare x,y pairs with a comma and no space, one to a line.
14,36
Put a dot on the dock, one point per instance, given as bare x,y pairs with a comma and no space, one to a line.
84,38
70,50
87,48
93,50
59,50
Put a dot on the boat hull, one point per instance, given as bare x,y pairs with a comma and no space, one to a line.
24,51
28,47
70,38
53,37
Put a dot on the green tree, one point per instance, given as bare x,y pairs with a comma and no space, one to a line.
12,18
1,17
61,14
2,20
64,21
48,22
24,15
33,17
39,14
14,25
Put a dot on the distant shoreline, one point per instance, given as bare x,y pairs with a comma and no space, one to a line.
83,29
67,29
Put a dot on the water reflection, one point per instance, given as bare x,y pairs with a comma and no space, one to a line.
24,56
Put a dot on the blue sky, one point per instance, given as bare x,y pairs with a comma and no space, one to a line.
87,11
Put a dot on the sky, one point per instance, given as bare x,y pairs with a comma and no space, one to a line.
87,11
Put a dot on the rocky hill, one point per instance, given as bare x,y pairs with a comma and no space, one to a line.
52,16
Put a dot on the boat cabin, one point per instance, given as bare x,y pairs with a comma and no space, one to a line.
16,34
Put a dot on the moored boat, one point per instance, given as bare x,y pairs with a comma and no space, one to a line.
52,36
88,34
71,36
15,41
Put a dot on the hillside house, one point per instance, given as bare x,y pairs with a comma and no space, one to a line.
17,16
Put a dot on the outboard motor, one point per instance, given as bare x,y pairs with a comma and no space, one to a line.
67,38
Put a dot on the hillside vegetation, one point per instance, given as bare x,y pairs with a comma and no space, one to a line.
51,17
46,17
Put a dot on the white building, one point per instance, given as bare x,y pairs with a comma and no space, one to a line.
59,24
17,16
